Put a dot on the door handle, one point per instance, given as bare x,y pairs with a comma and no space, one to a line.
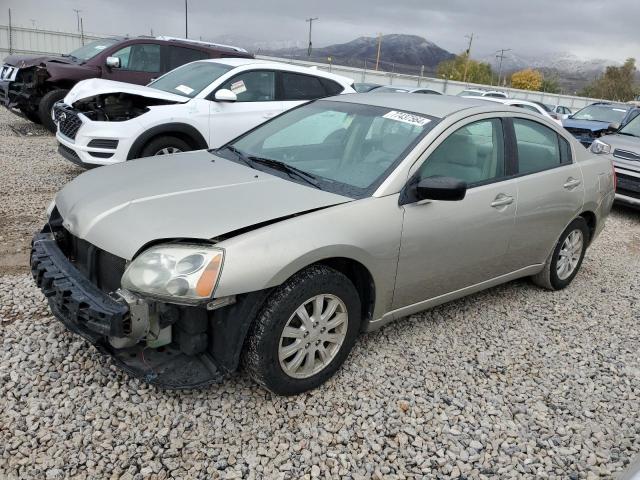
502,200
571,183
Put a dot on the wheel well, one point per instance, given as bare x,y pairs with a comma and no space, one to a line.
590,218
185,137
361,279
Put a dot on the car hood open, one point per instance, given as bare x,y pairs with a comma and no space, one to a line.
97,86
195,195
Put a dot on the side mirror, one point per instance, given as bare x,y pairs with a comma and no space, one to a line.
434,188
225,95
614,126
112,62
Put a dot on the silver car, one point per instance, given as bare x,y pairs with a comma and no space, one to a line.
335,218
623,148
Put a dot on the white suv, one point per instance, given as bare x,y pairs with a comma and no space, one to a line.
203,104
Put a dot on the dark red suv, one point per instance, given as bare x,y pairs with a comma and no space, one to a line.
32,84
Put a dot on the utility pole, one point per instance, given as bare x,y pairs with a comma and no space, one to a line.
310,20
186,20
77,17
501,57
379,45
81,32
466,63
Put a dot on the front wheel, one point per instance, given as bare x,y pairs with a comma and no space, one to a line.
46,106
165,145
304,332
566,259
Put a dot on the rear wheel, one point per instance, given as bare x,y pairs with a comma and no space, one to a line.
304,332
165,145
566,259
46,105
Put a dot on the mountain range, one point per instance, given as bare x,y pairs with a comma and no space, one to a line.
412,54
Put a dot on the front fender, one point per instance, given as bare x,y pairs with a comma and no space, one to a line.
366,230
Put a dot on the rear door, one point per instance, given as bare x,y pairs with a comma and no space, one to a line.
256,103
551,191
297,88
139,63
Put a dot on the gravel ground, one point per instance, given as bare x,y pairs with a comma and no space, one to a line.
514,382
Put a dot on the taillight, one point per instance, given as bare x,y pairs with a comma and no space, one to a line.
615,178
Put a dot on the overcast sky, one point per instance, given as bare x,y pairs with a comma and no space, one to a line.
588,28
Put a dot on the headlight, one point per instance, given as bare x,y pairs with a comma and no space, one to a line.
600,148
188,272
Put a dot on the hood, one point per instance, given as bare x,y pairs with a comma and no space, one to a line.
121,208
625,142
97,86
593,125
25,61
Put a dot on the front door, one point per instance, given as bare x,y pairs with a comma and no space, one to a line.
139,63
447,246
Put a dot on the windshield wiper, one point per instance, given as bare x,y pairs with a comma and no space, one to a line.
626,133
241,155
288,169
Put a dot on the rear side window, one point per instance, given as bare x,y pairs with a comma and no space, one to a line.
331,87
538,146
181,55
301,87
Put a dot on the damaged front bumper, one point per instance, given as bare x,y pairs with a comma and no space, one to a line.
97,316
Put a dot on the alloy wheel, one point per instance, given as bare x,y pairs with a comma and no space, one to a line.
168,151
569,255
313,335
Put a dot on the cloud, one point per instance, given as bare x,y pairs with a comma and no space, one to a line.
588,28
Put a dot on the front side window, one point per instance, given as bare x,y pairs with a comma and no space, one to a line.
253,86
347,148
301,87
473,153
189,80
140,57
538,146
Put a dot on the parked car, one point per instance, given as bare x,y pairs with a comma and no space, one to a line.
471,92
561,111
334,218
32,84
531,106
598,119
405,89
199,105
365,87
623,148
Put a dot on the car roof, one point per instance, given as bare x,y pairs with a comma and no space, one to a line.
242,62
438,106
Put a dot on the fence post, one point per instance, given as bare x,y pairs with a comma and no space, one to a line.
364,73
10,35
421,75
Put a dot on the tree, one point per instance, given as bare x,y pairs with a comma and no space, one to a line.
550,85
477,72
527,79
616,84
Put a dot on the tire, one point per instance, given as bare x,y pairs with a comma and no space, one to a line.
550,277
266,340
45,106
31,115
158,144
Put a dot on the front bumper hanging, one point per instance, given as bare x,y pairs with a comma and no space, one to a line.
93,314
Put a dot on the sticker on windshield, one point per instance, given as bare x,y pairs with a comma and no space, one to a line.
100,47
409,118
619,110
184,89
238,87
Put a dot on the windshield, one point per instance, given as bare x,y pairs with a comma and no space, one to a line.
92,49
347,148
601,113
632,128
390,90
190,79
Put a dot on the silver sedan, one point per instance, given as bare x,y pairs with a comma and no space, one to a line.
338,217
